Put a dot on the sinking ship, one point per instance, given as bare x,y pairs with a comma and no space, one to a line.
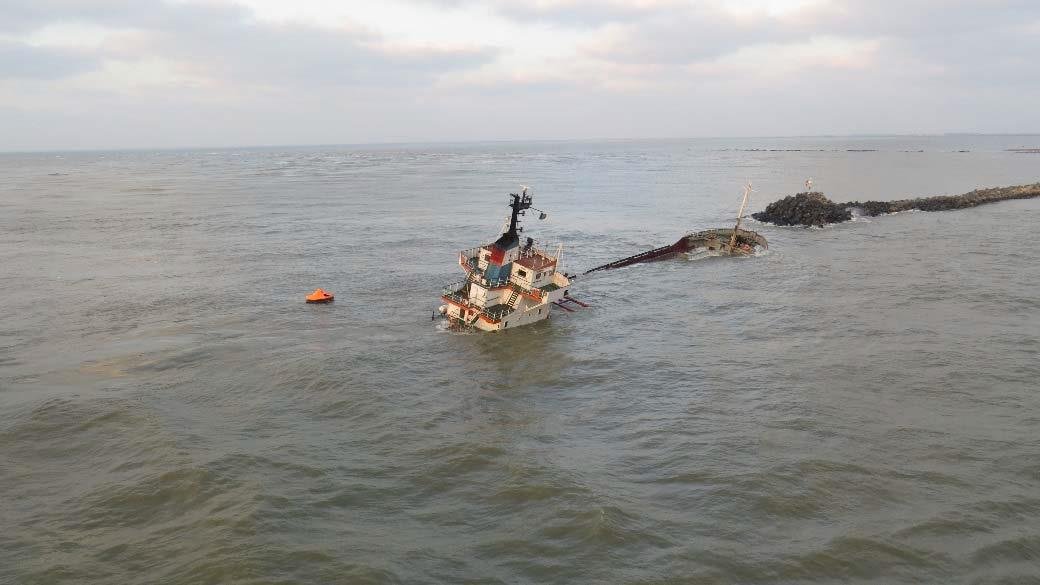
508,283
734,241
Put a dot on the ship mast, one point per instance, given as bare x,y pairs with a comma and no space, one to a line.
740,215
519,203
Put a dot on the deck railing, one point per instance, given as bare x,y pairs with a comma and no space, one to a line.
497,315
489,284
470,257
472,252
456,291
535,292
538,250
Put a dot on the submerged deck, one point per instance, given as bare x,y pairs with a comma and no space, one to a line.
688,243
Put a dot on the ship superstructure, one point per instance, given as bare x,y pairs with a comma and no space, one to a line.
509,282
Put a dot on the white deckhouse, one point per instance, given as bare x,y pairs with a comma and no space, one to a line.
508,283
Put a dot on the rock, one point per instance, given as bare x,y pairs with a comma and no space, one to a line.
807,209
813,209
947,202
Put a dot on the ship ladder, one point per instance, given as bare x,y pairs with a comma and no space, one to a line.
575,301
567,299
513,297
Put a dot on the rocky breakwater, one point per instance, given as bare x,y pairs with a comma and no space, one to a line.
813,209
809,209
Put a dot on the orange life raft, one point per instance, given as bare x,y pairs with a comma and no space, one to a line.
320,296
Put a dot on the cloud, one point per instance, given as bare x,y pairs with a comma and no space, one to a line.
19,60
25,15
268,71
276,55
688,36
226,44
583,13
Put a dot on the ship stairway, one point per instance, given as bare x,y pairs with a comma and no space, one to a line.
513,297
568,298
562,303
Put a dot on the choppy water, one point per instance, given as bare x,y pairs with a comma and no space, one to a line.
859,405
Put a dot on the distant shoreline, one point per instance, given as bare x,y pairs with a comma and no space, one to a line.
377,145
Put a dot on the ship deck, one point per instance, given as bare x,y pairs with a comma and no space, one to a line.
499,309
536,262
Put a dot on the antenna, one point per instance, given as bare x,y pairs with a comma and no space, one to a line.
542,214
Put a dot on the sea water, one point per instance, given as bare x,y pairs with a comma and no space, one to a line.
859,404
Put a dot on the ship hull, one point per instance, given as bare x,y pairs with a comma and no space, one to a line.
526,312
715,242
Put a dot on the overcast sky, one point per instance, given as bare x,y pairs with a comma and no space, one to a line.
153,73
